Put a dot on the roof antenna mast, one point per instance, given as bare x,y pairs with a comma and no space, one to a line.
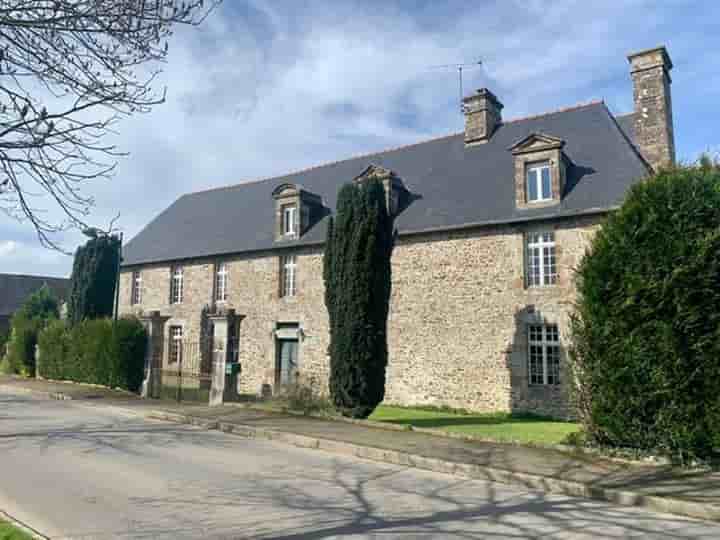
459,68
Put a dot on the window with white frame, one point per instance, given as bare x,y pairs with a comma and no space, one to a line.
176,285
540,257
538,185
221,282
289,216
288,271
175,350
544,354
136,288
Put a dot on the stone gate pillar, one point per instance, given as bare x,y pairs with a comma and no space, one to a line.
154,324
221,322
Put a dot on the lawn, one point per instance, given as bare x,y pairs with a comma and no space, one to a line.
10,532
496,426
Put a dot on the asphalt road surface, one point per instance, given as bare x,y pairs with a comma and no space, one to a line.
73,471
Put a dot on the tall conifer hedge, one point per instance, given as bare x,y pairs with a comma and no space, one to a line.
92,284
357,295
646,333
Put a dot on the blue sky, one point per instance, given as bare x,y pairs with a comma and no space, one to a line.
266,87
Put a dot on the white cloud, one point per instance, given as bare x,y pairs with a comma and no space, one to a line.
7,248
266,87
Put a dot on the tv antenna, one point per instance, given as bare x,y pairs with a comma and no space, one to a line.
459,68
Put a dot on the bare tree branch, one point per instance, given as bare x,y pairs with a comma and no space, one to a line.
69,70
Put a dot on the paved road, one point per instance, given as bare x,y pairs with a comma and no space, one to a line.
73,471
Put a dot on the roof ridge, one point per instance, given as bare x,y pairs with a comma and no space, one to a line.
394,148
328,163
31,276
580,105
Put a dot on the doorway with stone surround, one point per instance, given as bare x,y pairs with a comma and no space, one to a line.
287,345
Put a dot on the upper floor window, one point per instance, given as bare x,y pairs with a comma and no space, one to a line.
541,264
538,184
221,282
136,288
175,349
176,285
289,220
288,278
544,354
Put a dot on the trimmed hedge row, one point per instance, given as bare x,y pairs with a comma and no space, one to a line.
95,351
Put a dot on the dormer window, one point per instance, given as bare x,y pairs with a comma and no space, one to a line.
395,190
296,211
538,186
540,170
289,220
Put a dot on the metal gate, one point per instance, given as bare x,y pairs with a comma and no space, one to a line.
188,374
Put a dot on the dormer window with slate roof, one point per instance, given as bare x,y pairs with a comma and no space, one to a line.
395,191
540,170
296,210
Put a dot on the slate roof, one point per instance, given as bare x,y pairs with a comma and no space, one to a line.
625,121
452,186
15,288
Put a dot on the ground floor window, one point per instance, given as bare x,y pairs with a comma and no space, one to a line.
544,354
175,350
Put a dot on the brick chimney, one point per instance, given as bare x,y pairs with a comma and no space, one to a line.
653,121
482,116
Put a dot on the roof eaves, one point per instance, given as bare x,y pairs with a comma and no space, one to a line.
430,230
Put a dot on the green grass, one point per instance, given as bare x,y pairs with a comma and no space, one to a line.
10,532
497,426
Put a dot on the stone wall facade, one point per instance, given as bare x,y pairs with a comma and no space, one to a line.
457,330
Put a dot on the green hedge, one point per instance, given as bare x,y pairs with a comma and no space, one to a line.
646,333
38,310
95,351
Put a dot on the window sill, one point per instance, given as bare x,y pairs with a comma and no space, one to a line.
539,288
537,204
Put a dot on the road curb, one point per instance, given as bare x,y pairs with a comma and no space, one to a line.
466,470
394,457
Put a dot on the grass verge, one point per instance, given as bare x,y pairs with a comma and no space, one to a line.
10,532
505,427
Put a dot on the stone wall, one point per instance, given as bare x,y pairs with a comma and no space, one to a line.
458,316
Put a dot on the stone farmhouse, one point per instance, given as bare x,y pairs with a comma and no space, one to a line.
491,223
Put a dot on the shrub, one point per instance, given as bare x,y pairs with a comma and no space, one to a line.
53,343
305,397
646,330
96,352
39,309
357,294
